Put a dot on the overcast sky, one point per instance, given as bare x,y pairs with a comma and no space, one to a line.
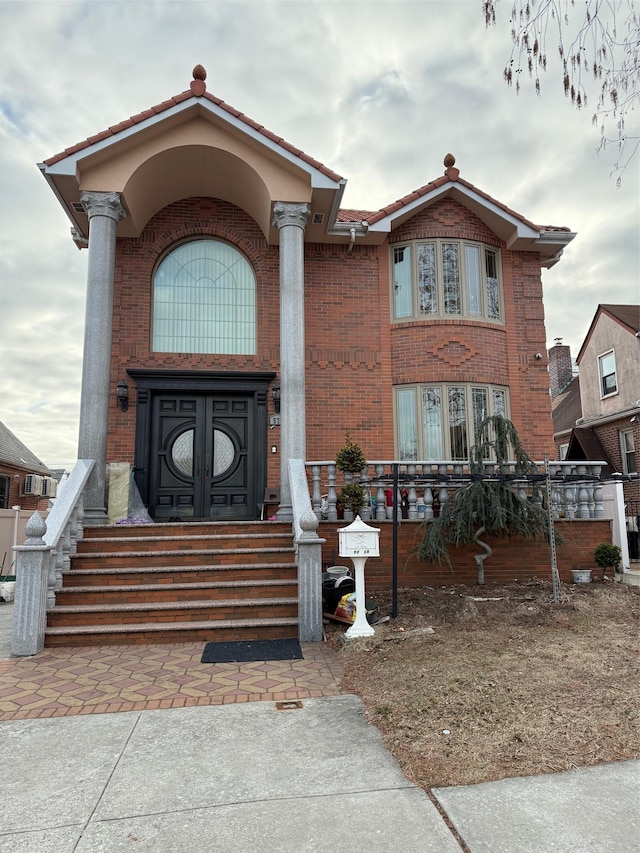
377,91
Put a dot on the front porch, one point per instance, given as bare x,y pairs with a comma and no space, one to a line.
183,569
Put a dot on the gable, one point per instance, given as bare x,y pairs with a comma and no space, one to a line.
445,218
193,144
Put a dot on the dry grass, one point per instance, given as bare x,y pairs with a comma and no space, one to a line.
513,687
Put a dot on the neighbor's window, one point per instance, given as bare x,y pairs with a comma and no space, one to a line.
628,448
564,449
5,482
204,300
607,371
437,422
446,278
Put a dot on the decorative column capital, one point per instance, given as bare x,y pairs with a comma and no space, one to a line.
290,213
103,204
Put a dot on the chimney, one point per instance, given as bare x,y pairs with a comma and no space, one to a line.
560,370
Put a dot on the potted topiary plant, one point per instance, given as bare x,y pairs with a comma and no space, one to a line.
350,458
608,556
351,461
352,497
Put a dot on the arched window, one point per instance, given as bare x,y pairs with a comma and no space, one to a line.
204,301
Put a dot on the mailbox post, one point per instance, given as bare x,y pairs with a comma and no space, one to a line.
359,541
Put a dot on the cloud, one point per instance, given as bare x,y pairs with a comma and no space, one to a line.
378,91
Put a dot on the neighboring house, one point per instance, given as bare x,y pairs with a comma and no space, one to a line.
24,480
238,317
597,415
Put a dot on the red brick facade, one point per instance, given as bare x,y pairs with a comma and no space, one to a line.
355,354
513,558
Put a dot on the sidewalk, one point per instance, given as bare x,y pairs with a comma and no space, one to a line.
249,767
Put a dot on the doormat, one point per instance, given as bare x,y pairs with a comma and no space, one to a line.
252,650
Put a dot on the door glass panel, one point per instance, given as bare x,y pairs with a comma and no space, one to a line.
182,453
223,452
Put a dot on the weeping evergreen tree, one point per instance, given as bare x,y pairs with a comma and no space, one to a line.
491,507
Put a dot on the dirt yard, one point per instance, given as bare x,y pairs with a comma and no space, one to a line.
508,683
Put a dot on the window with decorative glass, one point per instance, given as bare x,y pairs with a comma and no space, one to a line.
607,372
446,278
441,422
628,449
204,300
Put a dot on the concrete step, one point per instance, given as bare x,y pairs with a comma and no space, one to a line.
169,574
178,583
176,632
175,542
181,557
170,611
176,592
194,528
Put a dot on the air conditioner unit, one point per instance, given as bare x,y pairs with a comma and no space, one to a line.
33,485
49,487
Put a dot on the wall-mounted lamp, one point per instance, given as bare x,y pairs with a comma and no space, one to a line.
275,393
122,395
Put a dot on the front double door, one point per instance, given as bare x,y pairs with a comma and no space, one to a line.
203,457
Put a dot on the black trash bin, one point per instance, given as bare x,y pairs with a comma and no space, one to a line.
333,588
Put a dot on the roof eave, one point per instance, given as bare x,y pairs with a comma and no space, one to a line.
68,165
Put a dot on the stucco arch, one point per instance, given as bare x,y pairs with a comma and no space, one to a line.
195,170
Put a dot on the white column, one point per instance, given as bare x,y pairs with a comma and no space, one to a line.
291,219
104,211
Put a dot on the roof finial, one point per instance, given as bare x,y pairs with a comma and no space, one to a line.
198,86
450,172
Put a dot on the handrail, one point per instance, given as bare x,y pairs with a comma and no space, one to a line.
44,558
309,555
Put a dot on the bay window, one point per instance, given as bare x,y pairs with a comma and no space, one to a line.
441,421
446,278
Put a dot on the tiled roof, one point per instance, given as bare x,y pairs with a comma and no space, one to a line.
14,453
178,99
629,315
347,215
453,175
198,90
567,407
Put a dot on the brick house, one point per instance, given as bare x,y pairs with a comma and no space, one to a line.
22,475
245,318
596,415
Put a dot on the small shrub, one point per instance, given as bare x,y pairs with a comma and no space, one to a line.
608,556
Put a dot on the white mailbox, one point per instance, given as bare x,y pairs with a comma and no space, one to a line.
359,540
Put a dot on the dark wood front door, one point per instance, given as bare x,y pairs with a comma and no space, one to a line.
202,456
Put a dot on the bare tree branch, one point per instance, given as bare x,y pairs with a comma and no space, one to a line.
599,52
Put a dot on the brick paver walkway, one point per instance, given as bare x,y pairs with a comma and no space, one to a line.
61,682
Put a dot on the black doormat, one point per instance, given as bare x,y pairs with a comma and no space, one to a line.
252,650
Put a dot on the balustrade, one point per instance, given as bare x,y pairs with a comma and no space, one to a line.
423,487
43,559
